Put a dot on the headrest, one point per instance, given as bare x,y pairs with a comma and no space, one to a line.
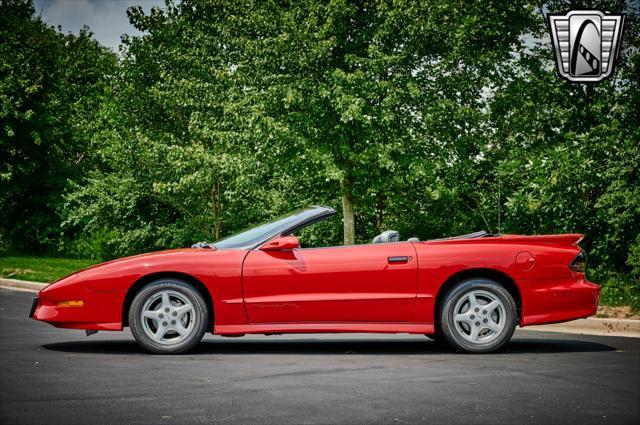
387,236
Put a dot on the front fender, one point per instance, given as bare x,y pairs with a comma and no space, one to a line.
103,288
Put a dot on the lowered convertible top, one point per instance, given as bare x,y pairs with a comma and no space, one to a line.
571,239
474,235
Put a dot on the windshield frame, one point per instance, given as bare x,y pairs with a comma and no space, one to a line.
305,217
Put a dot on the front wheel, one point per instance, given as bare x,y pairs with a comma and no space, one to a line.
168,316
434,336
478,316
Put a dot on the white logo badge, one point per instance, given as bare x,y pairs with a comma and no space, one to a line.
587,44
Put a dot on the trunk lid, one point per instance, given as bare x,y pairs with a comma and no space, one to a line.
571,239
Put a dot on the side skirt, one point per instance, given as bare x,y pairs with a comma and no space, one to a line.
324,327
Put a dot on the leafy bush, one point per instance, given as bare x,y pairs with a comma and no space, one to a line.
97,245
618,289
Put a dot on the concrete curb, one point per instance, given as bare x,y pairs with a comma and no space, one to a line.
594,326
590,326
21,284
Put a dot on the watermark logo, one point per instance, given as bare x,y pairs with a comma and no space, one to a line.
586,43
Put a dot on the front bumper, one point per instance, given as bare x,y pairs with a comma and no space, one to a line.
100,310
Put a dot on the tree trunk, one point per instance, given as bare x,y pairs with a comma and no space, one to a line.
380,210
348,213
216,209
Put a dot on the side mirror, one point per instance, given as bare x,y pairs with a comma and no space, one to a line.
281,243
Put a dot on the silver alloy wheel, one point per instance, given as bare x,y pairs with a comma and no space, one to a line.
479,316
168,317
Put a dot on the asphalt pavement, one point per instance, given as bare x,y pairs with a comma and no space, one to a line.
50,376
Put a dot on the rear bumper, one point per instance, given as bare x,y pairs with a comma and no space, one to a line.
553,301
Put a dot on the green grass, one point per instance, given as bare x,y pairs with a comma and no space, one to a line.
40,269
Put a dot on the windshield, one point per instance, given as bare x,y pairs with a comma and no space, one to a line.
251,237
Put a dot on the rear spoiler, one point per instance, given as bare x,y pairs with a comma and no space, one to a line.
569,239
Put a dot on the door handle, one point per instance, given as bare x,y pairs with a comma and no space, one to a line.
395,260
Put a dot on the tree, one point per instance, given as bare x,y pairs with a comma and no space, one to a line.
50,86
567,155
350,85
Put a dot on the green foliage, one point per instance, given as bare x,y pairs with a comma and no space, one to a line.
50,86
95,245
634,259
432,118
617,289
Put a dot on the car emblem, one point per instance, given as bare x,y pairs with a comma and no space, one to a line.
586,43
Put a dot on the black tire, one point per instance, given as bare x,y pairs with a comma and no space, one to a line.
434,337
460,335
198,314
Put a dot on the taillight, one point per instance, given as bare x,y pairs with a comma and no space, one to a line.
579,263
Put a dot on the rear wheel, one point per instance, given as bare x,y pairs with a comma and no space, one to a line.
168,316
478,316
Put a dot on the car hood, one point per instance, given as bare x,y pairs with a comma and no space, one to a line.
140,257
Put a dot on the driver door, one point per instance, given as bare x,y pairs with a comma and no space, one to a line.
361,283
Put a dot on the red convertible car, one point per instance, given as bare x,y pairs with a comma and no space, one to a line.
471,290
